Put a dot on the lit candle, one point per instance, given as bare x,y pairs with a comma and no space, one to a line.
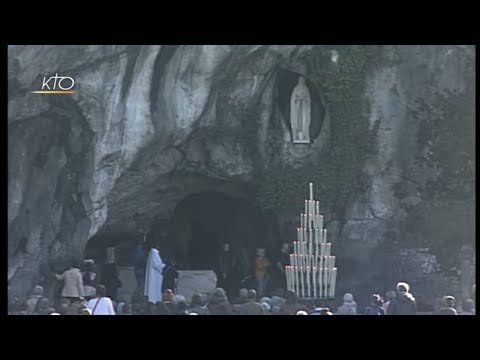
324,235
308,282
321,222
294,279
310,250
314,277
333,262
333,283
302,290
287,275
295,249
320,277
297,279
301,221
325,281
306,206
322,249
320,282
310,212
317,207
311,191
316,254
328,248
290,276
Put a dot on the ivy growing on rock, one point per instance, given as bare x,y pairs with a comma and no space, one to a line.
340,177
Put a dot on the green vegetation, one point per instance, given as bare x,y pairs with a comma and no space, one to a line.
340,176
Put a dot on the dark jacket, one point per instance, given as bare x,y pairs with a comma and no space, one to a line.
403,305
166,308
374,310
170,273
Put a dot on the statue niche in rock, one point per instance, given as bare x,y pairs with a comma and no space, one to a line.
300,112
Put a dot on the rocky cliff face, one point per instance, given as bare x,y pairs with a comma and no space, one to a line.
392,154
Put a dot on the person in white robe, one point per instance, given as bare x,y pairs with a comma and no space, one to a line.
153,276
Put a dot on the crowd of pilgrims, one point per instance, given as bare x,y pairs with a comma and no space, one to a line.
257,292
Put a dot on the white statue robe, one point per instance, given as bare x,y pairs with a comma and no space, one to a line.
300,113
154,277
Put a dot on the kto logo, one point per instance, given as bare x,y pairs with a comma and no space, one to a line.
57,85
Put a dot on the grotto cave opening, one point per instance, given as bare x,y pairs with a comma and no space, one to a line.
200,223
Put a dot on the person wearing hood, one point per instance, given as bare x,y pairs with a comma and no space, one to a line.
449,306
404,303
218,304
349,306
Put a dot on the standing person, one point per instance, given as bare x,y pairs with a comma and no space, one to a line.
170,274
449,306
376,306
468,307
154,276
283,260
390,296
349,306
101,304
110,274
32,301
89,280
219,304
404,303
225,269
139,262
261,275
73,287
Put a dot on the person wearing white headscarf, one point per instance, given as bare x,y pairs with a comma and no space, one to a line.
404,303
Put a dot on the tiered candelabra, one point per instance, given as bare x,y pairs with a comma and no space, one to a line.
312,272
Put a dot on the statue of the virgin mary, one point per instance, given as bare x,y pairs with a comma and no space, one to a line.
300,112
